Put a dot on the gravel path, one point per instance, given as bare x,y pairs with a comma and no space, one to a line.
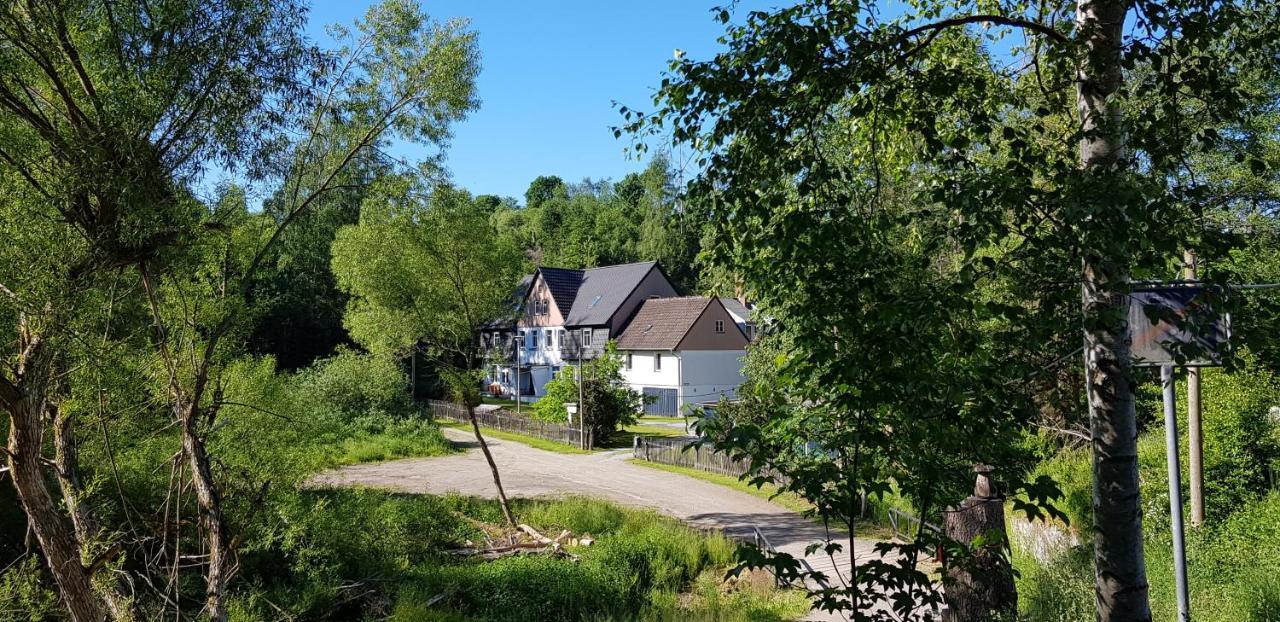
529,472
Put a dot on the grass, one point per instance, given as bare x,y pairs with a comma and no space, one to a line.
499,401
392,444
532,441
643,566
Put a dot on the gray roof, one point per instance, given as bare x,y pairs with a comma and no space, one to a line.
603,290
736,308
563,283
662,323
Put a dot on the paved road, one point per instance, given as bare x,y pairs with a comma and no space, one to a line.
528,472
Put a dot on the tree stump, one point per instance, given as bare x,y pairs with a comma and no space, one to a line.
980,588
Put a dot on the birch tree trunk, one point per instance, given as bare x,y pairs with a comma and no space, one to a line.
1120,571
493,466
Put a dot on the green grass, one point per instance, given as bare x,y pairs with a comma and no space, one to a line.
656,419
643,566
499,401
414,439
532,441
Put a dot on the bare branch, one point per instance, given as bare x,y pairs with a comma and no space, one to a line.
1003,20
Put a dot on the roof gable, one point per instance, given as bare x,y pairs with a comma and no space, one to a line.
662,323
563,284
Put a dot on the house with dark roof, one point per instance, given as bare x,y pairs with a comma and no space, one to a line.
567,315
681,352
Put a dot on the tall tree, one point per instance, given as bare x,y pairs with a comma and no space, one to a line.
426,271
1017,171
107,109
398,74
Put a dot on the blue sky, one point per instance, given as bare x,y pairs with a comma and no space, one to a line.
550,71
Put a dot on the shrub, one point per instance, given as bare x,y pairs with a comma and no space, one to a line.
608,402
25,596
353,385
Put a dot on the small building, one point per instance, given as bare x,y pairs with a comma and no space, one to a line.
682,352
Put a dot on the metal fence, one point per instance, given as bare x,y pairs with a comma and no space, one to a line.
507,422
704,457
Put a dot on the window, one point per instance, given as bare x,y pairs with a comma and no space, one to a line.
546,307
586,337
561,331
720,326
628,360
657,361
550,337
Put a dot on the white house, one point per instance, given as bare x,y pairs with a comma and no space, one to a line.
565,315
682,352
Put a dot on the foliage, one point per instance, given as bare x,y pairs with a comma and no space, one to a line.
24,594
640,218
1232,571
356,385
608,404
639,559
423,269
958,195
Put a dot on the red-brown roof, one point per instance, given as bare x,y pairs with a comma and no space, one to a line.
661,323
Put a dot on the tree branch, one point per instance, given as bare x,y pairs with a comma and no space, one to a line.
963,20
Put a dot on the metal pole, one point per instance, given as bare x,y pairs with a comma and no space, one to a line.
1195,442
1175,489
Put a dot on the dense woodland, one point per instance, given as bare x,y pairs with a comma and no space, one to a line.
215,284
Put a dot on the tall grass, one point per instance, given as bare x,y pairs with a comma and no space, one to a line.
643,566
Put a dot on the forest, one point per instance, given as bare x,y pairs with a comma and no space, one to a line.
216,283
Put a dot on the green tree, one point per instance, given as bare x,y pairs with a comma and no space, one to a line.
923,211
107,113
425,271
607,402
541,189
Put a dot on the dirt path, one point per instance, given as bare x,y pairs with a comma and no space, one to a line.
528,472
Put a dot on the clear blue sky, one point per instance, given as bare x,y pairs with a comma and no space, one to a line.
550,71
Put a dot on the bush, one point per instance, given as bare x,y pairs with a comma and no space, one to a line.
609,403
355,385
25,595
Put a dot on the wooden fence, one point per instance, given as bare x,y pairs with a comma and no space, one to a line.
681,452
507,422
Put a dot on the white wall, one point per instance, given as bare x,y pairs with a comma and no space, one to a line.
642,373
708,374
540,351
697,375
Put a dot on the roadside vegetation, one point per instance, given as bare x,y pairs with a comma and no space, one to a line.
1233,560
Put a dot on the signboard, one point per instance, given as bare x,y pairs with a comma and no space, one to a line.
1177,325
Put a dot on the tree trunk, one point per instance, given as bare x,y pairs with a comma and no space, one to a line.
209,498
493,468
87,527
56,535
1120,571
